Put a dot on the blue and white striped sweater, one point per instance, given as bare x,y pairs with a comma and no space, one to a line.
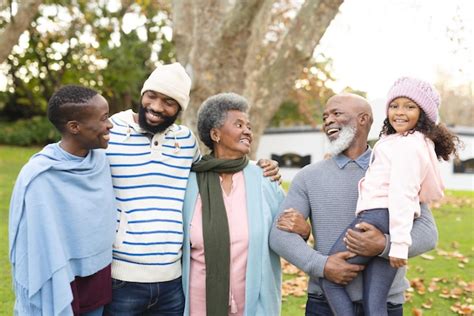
149,177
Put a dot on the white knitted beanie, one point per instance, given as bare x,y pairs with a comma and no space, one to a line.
171,80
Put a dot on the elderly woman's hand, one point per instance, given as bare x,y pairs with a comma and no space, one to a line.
270,169
293,221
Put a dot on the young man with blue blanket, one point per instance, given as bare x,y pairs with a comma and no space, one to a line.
62,213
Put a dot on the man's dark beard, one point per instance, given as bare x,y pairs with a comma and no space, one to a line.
167,122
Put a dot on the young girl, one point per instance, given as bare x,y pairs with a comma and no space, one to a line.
403,173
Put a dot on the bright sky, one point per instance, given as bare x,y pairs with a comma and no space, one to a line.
373,42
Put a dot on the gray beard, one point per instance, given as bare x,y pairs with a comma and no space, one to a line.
342,142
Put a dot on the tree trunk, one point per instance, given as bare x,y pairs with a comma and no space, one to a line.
224,46
27,10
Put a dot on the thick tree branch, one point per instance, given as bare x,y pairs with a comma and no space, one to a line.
298,44
224,43
274,83
9,37
256,49
307,28
183,28
240,17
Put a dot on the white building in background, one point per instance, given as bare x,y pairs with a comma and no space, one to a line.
296,147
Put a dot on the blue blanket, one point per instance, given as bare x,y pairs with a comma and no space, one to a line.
61,225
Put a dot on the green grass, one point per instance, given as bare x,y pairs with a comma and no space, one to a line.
451,262
455,224
11,161
292,306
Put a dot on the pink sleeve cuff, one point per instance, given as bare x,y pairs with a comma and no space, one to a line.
398,250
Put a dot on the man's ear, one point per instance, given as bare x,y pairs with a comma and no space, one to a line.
364,119
72,127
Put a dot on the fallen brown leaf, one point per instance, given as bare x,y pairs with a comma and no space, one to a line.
294,287
427,257
456,292
428,304
288,268
417,284
469,287
462,309
442,252
445,293
433,286
408,295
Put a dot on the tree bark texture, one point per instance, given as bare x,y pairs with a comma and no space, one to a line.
224,46
27,10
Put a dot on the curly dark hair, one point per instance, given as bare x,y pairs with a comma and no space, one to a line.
446,143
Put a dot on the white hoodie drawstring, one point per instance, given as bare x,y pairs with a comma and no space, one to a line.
176,144
127,135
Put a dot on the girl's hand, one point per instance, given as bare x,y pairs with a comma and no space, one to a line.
293,221
397,262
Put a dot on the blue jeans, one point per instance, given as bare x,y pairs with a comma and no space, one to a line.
95,312
133,298
318,306
377,277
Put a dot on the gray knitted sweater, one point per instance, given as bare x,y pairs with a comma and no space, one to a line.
327,193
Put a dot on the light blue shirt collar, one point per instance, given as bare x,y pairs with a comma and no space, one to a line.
362,161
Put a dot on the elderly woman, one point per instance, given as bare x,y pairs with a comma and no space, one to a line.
228,266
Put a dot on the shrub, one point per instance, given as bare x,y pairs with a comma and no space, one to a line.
27,132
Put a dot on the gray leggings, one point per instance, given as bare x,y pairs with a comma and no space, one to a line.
377,277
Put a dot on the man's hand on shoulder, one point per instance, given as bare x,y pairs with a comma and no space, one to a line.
338,270
367,240
270,169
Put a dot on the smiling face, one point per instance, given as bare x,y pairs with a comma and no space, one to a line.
157,112
233,139
338,115
94,125
346,122
403,114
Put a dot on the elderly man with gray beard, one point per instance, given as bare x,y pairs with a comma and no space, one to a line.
327,193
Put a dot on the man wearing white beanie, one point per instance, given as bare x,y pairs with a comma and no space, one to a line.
150,160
